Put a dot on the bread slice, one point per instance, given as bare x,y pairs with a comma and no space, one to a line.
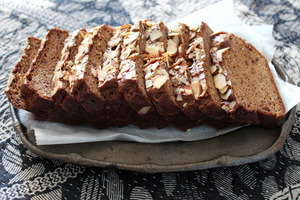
13,89
84,81
131,76
158,84
36,88
61,92
202,83
178,43
108,78
244,80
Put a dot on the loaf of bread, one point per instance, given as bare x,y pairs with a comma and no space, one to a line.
147,75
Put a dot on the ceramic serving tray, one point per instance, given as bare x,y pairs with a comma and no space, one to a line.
246,145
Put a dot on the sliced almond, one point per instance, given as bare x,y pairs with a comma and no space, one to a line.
155,34
112,55
173,34
160,81
194,28
192,34
191,55
190,49
232,104
220,81
184,105
201,42
188,91
136,26
70,63
126,54
226,108
102,75
113,42
176,39
226,95
196,87
66,77
223,90
144,110
152,49
172,72
179,97
149,75
202,76
219,53
130,38
229,82
130,75
154,66
148,83
176,29
107,68
148,23
172,47
159,71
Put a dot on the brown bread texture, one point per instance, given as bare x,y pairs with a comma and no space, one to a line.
13,89
249,94
36,88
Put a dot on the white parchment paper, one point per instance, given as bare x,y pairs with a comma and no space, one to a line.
220,17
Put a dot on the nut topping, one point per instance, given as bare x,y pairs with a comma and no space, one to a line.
172,47
223,90
155,34
160,81
152,49
226,95
196,87
144,110
220,81
148,83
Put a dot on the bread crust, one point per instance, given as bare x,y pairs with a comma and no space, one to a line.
13,89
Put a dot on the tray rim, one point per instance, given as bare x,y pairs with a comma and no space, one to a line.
221,161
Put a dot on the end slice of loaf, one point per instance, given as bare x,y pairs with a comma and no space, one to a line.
36,88
244,81
13,89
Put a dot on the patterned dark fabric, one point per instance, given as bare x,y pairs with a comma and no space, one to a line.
24,175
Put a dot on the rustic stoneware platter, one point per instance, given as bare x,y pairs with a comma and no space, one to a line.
245,145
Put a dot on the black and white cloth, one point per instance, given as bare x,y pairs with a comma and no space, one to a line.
25,175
